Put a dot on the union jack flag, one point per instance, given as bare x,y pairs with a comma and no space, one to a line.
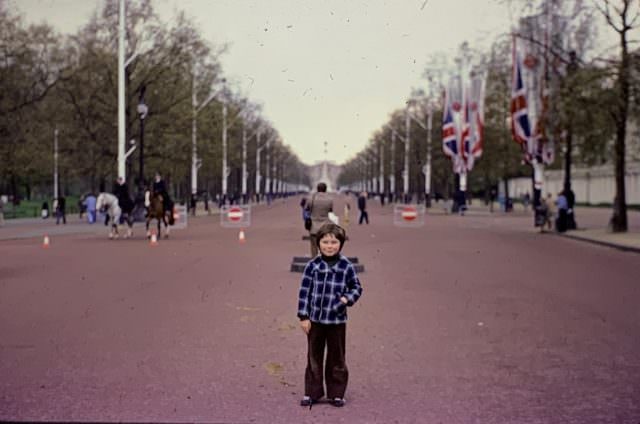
472,138
466,137
449,132
477,113
520,127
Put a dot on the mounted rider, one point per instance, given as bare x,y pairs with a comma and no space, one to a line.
159,188
121,191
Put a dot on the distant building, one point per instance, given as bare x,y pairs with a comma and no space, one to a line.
326,172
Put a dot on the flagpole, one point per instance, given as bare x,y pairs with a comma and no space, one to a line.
121,129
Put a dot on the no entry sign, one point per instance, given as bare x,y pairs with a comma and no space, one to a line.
408,215
235,216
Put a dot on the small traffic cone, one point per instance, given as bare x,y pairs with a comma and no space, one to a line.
154,239
241,238
45,242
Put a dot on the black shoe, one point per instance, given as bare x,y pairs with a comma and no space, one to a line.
338,402
306,401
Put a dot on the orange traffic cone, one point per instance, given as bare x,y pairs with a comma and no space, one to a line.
154,239
241,238
45,242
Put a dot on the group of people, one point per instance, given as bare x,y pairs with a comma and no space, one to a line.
559,209
87,203
59,209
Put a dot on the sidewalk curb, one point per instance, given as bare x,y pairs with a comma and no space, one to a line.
601,243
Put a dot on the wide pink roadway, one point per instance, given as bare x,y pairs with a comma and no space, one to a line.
475,319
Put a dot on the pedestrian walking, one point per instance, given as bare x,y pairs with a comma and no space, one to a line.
362,206
526,199
90,205
44,212
1,211
329,285
563,206
192,204
546,211
61,210
346,215
319,206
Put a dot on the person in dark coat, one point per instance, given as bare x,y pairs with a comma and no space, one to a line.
159,187
61,210
121,191
362,206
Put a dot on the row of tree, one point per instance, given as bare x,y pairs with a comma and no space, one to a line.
592,101
51,83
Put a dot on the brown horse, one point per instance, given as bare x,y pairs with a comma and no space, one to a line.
156,211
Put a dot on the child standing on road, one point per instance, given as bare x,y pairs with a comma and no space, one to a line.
329,285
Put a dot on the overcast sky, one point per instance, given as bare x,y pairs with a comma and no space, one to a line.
323,70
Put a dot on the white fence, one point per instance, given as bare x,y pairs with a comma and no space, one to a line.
591,185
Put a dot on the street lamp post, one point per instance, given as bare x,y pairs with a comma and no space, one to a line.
267,180
194,131
405,139
55,163
142,112
195,161
407,143
392,171
259,148
427,169
225,169
381,190
244,162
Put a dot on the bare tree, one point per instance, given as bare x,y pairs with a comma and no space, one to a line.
622,16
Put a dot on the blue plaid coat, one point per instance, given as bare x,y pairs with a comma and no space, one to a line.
322,287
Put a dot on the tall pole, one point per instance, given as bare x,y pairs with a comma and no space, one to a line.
142,111
427,170
392,171
55,163
267,181
225,171
244,161
121,133
381,178
407,142
194,144
258,150
274,174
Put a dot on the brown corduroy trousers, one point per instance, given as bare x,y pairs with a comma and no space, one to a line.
336,375
314,245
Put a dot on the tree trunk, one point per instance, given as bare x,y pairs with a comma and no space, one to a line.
14,189
618,221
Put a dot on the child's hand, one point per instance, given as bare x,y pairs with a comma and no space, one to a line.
344,300
305,325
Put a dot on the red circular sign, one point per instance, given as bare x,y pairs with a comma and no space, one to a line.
235,214
409,213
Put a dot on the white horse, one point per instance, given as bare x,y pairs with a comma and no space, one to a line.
108,203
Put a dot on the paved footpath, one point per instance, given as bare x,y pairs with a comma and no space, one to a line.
475,319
